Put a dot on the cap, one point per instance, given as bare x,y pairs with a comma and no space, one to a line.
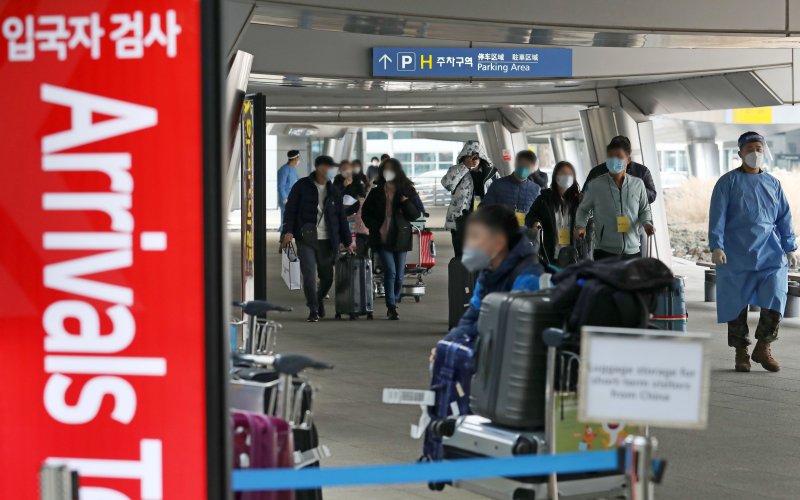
292,154
324,160
749,137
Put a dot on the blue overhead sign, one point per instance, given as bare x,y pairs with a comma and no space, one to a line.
472,62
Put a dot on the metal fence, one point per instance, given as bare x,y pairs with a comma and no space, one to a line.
431,191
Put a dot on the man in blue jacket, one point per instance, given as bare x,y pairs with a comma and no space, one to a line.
516,191
315,216
495,246
287,176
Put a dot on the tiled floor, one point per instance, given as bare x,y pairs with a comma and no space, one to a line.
750,450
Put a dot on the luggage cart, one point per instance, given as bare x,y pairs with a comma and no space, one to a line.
423,259
474,436
275,385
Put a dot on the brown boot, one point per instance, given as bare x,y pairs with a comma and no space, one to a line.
742,360
763,354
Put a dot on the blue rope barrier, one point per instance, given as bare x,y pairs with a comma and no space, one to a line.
452,470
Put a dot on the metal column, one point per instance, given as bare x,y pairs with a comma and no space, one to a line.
704,160
499,145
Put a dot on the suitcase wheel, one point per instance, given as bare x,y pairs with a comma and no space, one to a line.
369,315
338,316
436,486
353,317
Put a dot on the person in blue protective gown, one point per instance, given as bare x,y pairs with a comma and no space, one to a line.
753,245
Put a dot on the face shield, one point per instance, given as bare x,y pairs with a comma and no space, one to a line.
744,150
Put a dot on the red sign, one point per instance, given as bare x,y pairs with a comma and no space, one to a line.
506,155
101,254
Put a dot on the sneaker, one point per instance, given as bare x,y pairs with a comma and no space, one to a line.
321,310
391,313
313,317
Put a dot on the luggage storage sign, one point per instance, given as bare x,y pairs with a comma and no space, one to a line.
103,223
643,377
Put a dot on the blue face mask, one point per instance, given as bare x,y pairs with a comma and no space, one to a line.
331,174
615,165
522,171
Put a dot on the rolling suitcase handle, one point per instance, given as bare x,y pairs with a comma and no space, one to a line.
652,244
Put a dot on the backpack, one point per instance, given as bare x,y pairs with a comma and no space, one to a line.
617,293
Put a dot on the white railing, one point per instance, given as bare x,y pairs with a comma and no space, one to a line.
431,191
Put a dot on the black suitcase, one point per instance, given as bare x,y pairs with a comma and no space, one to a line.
508,385
354,295
460,286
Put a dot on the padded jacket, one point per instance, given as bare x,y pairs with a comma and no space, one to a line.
399,237
301,209
520,270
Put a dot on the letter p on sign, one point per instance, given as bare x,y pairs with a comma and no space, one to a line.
406,61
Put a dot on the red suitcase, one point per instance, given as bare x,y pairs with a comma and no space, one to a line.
423,251
262,442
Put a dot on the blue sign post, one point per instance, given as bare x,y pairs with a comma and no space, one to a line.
472,62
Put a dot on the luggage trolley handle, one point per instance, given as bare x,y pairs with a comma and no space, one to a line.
256,309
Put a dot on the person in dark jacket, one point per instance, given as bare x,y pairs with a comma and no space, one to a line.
554,212
495,246
516,191
537,176
374,167
314,214
620,147
349,184
359,174
388,211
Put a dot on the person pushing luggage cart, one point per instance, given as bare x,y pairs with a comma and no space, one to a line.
497,249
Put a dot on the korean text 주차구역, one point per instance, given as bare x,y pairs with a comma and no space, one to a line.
131,33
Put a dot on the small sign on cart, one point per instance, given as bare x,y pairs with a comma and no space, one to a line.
644,377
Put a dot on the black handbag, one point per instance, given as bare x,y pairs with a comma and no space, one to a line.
308,235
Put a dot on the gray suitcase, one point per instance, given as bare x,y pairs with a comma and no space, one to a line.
475,436
354,293
508,386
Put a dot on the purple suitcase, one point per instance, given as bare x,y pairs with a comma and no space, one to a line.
262,442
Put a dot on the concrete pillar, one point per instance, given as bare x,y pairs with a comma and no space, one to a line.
704,159
600,125
497,141
345,145
330,146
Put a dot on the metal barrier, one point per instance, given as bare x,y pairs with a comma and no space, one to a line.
431,192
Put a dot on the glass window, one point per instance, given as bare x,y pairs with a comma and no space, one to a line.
446,158
377,135
403,134
424,157
421,168
405,159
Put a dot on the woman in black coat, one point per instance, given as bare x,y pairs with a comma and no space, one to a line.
388,211
554,212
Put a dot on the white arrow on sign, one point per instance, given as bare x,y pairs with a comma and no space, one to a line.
385,59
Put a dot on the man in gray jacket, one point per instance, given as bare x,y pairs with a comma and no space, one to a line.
619,205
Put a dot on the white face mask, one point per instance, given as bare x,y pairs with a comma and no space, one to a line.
754,159
357,170
389,175
565,181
